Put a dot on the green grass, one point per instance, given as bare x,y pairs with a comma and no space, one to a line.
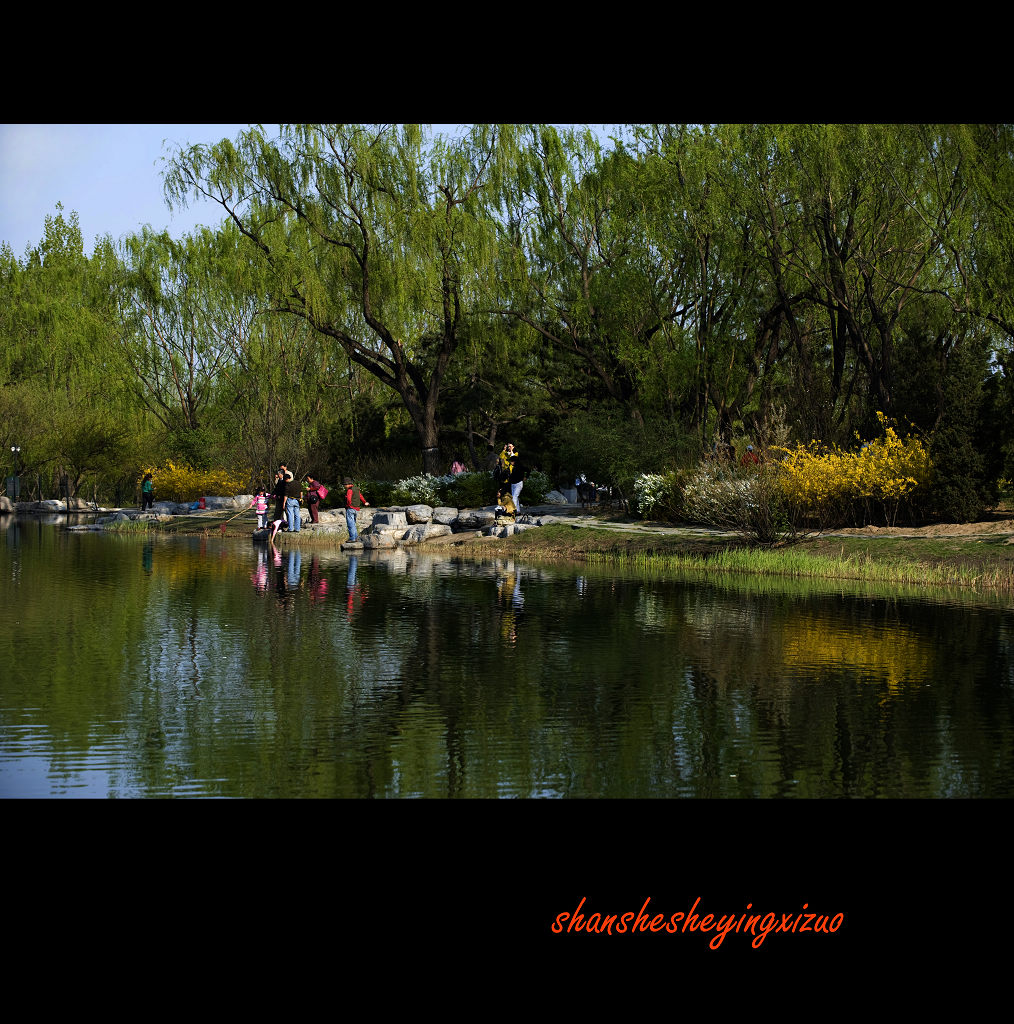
885,566
129,526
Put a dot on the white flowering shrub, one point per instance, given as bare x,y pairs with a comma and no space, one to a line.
648,491
420,490
731,499
660,495
467,490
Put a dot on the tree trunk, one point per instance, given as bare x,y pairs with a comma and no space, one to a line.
429,441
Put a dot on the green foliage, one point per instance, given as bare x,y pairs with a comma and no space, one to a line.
382,240
942,391
617,312
471,490
537,486
611,449
379,493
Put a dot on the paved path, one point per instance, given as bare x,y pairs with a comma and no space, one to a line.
575,515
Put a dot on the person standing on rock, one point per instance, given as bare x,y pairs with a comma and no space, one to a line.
278,493
293,492
516,477
313,498
354,501
147,492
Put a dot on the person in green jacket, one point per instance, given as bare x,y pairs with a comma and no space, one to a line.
147,492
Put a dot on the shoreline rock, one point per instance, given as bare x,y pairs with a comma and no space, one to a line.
379,528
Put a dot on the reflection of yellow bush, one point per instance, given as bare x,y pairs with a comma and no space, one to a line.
896,655
834,487
184,483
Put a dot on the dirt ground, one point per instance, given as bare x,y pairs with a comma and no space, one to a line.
999,525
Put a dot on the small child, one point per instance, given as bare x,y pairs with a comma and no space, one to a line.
505,506
260,506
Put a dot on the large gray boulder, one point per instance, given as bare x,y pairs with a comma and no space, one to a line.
328,527
475,519
387,519
237,501
445,516
418,513
424,531
385,539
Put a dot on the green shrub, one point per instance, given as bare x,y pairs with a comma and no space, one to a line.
660,495
379,493
471,490
537,486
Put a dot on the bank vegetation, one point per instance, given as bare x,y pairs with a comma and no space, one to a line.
769,327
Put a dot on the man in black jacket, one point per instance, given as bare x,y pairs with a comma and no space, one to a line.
516,478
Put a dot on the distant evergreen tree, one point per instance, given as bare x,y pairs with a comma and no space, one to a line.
940,390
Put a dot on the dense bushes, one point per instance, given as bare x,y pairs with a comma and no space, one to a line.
808,484
834,488
660,495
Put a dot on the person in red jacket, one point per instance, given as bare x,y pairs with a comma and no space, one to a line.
313,498
749,457
354,500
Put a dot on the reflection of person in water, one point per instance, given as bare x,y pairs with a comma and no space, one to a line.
355,593
316,582
286,595
512,602
259,577
294,568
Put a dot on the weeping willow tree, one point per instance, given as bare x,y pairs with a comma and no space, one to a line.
572,218
178,319
60,400
380,237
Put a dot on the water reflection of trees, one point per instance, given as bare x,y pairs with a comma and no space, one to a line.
488,679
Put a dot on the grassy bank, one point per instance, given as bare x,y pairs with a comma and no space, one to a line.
939,562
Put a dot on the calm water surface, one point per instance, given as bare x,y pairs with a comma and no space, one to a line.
155,667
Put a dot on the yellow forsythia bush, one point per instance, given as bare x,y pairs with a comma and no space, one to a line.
183,483
835,487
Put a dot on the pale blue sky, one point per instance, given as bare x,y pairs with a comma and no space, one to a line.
109,173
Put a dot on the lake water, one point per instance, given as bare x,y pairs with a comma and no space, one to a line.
210,667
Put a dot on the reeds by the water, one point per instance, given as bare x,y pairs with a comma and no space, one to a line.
800,564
